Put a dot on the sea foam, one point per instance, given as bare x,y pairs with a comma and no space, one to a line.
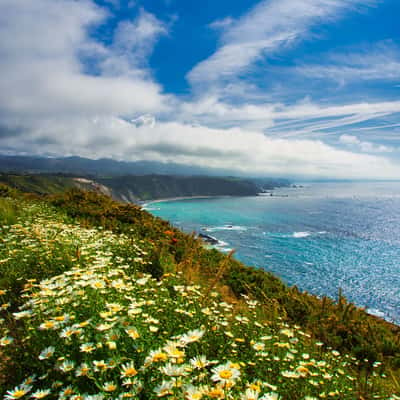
226,228
299,235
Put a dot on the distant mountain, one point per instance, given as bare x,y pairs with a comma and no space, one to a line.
100,167
106,167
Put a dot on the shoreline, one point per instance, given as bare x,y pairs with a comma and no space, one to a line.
167,199
144,203
384,313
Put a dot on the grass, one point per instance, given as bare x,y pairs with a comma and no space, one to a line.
39,183
102,300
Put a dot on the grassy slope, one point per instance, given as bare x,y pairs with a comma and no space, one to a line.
136,187
40,184
340,325
163,186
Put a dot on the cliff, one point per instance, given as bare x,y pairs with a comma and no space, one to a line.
135,188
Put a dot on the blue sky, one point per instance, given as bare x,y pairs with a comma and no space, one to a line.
301,88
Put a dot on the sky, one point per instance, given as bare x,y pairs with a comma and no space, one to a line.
290,88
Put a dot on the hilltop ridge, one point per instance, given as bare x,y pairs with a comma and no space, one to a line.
136,188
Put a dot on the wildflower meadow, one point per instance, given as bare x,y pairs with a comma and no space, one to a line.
90,323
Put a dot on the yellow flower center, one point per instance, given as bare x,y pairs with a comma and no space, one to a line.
177,353
130,372
225,374
216,393
159,357
19,393
133,333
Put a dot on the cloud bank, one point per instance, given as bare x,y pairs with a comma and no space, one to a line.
65,92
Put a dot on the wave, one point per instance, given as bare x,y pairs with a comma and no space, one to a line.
299,235
215,243
296,235
225,249
376,312
225,228
223,246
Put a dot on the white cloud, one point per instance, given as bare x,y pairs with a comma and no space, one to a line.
133,43
51,104
42,45
232,149
140,35
364,146
222,24
380,61
305,117
270,26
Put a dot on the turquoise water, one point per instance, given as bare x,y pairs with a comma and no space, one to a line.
321,237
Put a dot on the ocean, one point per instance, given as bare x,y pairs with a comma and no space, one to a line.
320,237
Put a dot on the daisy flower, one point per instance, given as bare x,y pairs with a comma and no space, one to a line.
192,336
6,340
225,373
17,392
193,392
173,370
82,370
132,333
250,394
128,370
109,387
67,366
199,362
87,347
40,394
164,389
47,353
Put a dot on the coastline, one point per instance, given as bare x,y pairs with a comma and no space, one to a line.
166,199
254,248
144,203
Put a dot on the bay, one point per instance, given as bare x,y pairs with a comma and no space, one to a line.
320,237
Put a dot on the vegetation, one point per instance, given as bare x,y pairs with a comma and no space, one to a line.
101,299
163,186
39,184
133,188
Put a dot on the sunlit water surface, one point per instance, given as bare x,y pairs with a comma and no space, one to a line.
322,237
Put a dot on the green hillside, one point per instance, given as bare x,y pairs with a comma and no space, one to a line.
103,300
134,188
148,187
39,184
